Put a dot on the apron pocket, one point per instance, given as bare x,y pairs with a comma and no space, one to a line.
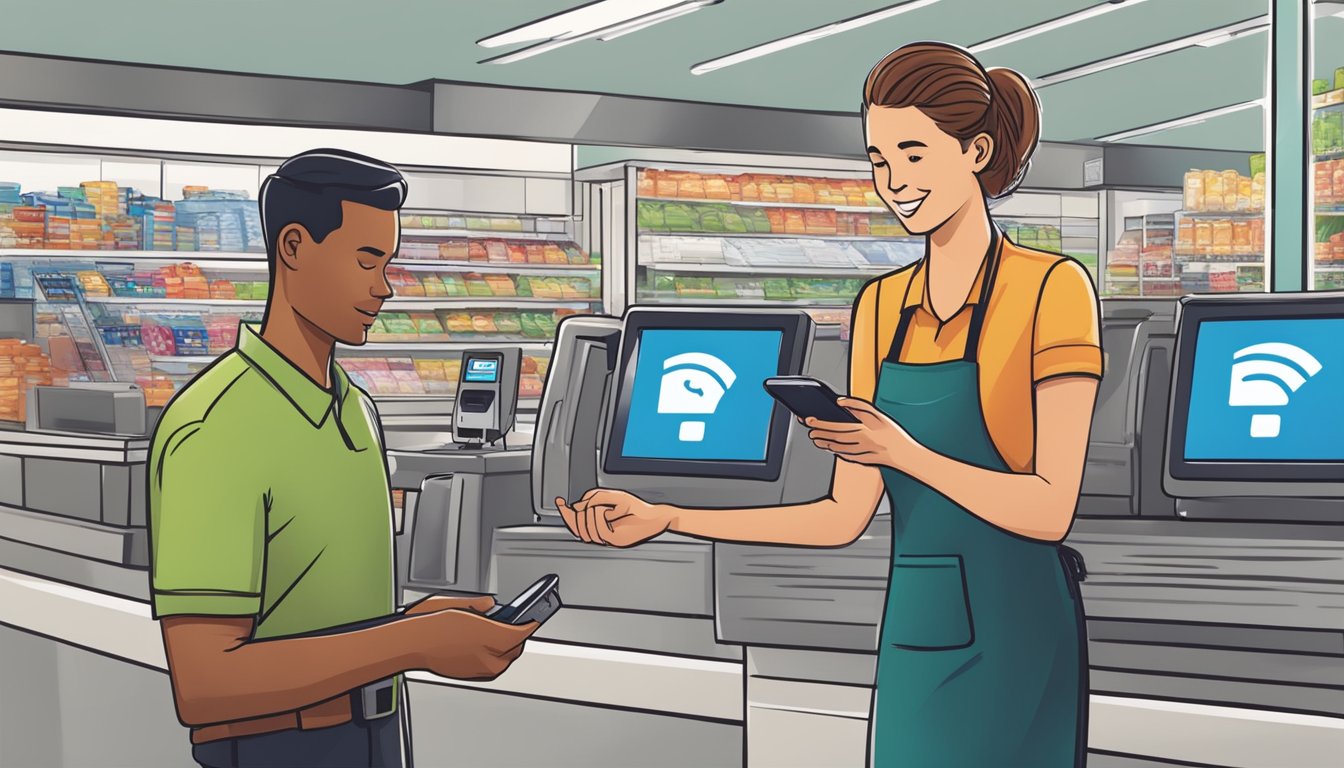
928,608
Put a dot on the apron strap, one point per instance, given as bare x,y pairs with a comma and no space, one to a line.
992,258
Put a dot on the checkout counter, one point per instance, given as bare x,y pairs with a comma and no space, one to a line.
1215,625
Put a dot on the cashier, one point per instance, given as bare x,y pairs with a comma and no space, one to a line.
973,374
270,509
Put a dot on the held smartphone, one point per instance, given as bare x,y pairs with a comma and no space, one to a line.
805,397
536,603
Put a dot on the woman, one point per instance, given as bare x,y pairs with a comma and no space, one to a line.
973,374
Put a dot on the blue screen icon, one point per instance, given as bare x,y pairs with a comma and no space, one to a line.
697,395
1267,390
486,371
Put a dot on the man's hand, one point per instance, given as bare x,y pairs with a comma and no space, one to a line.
464,645
436,603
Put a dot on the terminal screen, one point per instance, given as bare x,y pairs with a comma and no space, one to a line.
482,371
697,395
1267,390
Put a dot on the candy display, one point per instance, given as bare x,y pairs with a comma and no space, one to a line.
102,216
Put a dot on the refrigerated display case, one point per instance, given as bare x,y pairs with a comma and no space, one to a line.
1141,263
155,297
1326,267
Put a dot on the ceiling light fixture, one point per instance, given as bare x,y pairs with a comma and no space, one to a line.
1053,24
600,20
1208,35
1182,122
802,38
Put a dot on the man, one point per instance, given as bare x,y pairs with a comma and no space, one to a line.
270,512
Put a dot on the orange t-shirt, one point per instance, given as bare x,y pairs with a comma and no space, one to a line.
1042,322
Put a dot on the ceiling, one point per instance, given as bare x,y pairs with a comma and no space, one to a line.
407,41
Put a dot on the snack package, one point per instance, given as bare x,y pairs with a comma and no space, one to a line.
803,193
501,285
428,326
751,191
399,326
819,222
1194,190
528,365
1213,191
711,219
476,285
483,322
476,251
530,327
794,223
645,184
377,331
454,250
716,188
457,322
554,254
496,251
575,255
536,253
1241,237
691,186
434,287
517,253
1231,184
508,322
665,185
453,285
523,285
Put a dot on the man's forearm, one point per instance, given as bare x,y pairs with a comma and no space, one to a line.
258,678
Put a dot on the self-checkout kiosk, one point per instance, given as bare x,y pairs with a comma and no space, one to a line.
668,403
1255,427
1122,476
469,488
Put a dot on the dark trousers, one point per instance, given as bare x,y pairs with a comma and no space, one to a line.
375,744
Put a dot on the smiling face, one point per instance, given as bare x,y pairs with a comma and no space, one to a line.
340,284
921,173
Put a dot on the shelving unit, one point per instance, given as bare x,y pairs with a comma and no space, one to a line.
1327,259
158,316
772,237
1142,262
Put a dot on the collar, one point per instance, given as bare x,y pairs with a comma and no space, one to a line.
917,293
311,400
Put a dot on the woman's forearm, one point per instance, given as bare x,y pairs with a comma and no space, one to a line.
1025,504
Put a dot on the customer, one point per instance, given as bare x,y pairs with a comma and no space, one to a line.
270,510
973,375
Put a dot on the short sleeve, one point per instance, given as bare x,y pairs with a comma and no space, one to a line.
862,342
207,525
1067,339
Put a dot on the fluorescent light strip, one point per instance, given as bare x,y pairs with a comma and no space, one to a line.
1051,25
607,32
802,38
1182,122
1063,76
592,17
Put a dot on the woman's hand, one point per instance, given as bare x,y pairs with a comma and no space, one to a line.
614,518
875,441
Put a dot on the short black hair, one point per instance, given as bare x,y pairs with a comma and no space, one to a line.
308,189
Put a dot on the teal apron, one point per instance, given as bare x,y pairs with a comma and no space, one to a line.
982,659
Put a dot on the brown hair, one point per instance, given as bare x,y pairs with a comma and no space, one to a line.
949,86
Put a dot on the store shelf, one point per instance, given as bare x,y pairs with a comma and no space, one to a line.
1222,214
1328,100
762,204
192,256
492,267
781,236
1337,154
1320,212
1240,258
428,303
672,298
441,346
476,234
750,270
1330,268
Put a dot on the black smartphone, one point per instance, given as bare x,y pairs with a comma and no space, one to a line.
538,603
805,397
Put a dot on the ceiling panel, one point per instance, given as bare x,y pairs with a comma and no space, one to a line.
407,41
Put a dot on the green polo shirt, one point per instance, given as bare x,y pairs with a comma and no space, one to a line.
269,497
